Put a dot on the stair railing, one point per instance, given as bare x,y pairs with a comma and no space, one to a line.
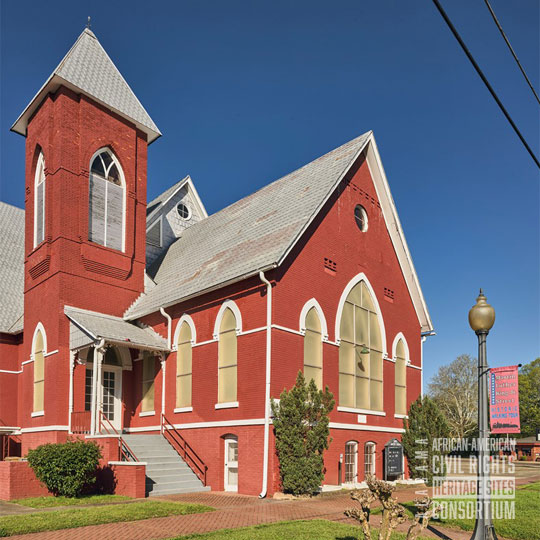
125,453
184,450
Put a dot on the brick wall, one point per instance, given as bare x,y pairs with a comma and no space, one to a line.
17,481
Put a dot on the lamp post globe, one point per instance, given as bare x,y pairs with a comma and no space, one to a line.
481,319
481,315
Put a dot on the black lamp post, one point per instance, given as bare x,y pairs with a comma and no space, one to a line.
481,319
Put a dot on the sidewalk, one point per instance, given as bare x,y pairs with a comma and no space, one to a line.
232,511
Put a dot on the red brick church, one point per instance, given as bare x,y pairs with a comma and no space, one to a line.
164,332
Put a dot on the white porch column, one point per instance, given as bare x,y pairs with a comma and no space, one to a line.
163,367
71,369
96,374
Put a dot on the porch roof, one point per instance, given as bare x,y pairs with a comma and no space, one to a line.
87,327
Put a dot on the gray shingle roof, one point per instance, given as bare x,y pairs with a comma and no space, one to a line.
11,268
101,326
250,235
87,68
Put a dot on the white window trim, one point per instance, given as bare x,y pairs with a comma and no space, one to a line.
185,318
41,159
364,215
37,413
123,181
228,405
41,328
147,413
231,304
190,211
183,409
361,411
312,303
399,336
401,416
354,281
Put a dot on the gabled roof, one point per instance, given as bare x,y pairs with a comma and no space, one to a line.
154,206
11,268
87,68
96,326
257,233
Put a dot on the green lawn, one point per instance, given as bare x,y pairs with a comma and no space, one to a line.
525,526
49,502
93,515
291,530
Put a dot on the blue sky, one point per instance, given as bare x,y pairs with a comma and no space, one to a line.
245,92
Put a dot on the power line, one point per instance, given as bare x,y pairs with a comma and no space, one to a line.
511,49
484,79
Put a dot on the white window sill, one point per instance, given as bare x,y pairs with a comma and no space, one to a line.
229,405
401,416
183,409
37,413
147,413
361,411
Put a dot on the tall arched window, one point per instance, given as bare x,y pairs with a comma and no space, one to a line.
39,372
313,348
39,201
227,358
106,203
360,352
183,367
401,378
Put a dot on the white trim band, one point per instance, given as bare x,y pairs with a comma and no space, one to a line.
361,411
356,427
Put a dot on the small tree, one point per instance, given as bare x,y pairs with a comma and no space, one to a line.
529,398
302,432
66,468
425,423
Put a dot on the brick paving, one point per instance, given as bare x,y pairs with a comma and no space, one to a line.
234,511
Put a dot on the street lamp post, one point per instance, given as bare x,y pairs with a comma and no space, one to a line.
481,319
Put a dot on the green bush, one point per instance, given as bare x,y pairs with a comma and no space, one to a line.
301,426
67,468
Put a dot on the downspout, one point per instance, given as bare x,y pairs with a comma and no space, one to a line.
164,365
71,370
93,413
267,389
424,336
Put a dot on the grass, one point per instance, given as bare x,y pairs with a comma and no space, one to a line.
93,515
49,502
291,530
524,526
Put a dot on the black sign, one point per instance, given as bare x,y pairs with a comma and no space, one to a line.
393,458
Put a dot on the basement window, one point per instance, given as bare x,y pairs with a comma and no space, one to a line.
361,218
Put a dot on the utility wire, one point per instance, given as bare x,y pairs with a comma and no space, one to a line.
484,79
511,49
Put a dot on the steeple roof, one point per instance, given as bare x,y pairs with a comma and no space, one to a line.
87,69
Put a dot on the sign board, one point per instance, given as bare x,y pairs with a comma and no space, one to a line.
504,399
393,458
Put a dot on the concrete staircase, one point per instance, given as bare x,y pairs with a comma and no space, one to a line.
166,471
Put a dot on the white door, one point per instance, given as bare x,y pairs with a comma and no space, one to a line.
112,396
231,465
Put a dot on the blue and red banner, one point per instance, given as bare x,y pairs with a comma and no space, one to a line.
504,399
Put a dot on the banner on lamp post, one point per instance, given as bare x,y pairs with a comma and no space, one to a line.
504,399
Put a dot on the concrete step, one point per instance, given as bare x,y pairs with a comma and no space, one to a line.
174,491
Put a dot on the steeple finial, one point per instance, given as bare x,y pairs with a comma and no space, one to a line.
88,24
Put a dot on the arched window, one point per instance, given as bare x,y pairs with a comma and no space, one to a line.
351,462
148,376
106,203
39,372
39,201
360,352
401,358
183,366
313,348
369,459
227,358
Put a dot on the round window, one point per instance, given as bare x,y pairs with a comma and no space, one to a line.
183,211
360,216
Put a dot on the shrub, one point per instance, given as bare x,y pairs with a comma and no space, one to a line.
425,456
66,468
302,434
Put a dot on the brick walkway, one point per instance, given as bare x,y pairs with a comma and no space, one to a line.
232,511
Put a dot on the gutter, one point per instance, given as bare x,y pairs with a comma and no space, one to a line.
423,337
267,389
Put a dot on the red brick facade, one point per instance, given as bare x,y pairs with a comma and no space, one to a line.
68,269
